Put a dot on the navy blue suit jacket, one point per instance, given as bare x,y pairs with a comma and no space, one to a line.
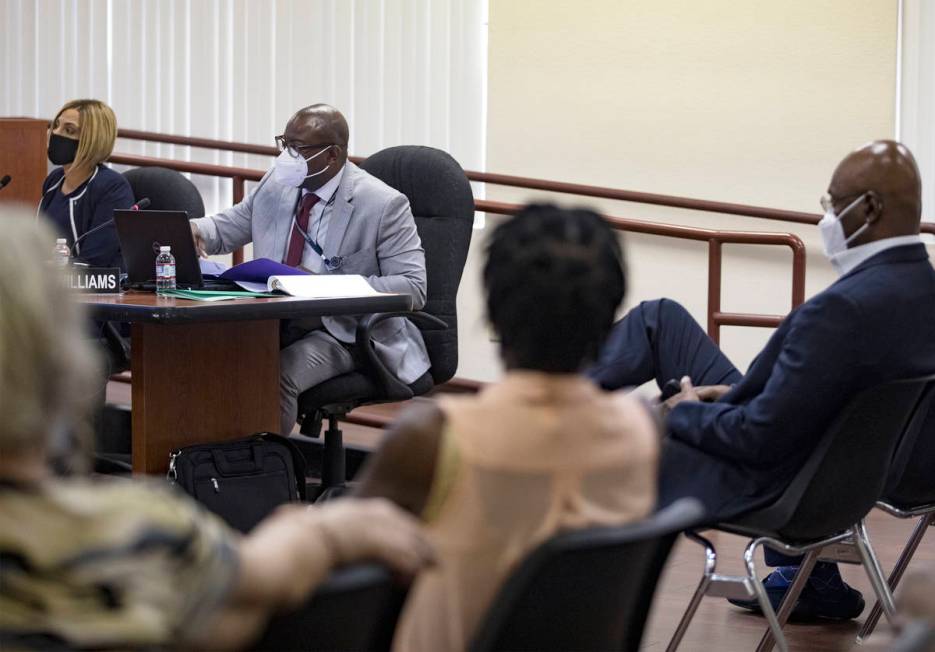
92,205
874,324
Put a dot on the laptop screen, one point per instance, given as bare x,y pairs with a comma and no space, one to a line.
141,233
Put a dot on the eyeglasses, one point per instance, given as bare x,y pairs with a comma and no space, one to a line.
295,149
827,201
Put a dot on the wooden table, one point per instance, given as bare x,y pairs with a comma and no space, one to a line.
207,372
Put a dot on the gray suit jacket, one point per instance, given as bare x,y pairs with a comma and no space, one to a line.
371,228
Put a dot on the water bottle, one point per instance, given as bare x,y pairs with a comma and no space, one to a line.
165,270
62,253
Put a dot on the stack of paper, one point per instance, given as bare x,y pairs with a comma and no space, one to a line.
324,286
263,275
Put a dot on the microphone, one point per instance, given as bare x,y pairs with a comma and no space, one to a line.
141,204
87,233
5,181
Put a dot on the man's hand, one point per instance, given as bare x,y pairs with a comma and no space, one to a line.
687,393
711,393
199,241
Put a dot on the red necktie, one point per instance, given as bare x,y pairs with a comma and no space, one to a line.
297,240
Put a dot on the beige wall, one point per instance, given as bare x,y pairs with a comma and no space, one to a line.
750,102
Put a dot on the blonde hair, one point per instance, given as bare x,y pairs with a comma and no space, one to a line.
48,370
97,131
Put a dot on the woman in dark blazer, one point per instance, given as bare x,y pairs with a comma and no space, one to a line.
80,196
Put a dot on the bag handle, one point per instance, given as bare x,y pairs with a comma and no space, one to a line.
226,467
299,464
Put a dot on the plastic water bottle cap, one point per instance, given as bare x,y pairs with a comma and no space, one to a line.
164,249
59,241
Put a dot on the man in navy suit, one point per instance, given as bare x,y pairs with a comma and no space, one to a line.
736,440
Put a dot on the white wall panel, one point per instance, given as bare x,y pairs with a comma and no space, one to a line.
916,115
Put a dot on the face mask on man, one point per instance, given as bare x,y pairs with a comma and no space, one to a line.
832,233
62,150
290,169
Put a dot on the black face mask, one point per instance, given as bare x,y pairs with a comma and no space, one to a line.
62,150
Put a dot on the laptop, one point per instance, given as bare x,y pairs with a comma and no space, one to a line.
141,233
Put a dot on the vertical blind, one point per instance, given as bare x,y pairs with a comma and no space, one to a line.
402,71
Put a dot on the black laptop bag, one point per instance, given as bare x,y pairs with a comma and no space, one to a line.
243,480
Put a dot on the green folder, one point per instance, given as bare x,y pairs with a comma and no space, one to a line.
214,295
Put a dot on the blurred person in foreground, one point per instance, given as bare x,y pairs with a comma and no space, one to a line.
736,441
915,613
541,451
79,196
117,564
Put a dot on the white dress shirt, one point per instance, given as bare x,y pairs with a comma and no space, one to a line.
318,220
848,260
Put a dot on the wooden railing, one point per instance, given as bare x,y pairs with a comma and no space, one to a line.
715,239
582,190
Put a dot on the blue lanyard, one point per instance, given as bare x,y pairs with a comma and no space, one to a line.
331,264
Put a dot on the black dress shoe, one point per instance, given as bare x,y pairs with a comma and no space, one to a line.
822,598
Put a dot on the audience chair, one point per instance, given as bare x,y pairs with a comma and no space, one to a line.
443,206
821,513
911,492
355,609
585,590
167,190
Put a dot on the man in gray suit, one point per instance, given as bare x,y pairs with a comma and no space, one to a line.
316,210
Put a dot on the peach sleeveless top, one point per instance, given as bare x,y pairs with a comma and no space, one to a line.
524,459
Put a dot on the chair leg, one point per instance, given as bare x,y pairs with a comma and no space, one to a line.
872,566
332,466
710,564
893,580
762,597
790,598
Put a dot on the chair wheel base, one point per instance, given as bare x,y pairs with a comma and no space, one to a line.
332,492
315,492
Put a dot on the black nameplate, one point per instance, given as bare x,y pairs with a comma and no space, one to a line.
94,279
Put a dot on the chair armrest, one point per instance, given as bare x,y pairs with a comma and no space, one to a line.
392,385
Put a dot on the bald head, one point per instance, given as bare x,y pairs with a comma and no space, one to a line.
323,120
887,176
319,134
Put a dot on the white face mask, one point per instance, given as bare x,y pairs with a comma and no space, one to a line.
291,170
832,233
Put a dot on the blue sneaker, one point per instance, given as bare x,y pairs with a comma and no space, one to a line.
825,596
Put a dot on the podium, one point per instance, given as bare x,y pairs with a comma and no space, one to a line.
23,143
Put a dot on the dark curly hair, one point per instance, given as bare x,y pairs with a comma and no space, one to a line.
554,279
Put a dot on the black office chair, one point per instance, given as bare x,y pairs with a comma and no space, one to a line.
167,190
585,590
821,512
355,609
443,207
910,492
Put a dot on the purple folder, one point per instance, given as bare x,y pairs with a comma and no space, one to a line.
259,270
